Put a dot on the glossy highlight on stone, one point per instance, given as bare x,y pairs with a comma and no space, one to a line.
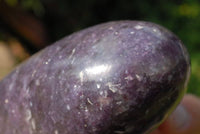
121,77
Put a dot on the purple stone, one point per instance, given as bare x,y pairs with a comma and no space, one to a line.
120,77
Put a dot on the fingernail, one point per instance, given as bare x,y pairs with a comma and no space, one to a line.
180,117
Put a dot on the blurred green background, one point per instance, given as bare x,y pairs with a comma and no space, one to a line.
34,24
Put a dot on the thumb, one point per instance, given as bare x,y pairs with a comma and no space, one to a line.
184,120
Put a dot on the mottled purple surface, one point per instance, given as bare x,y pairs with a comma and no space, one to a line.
114,78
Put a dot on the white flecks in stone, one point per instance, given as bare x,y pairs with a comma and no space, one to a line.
139,78
116,33
47,62
129,78
101,108
17,70
105,94
93,35
94,129
10,86
86,109
68,107
138,27
73,51
155,30
51,97
28,115
60,57
126,71
84,41
53,119
34,72
89,101
33,124
63,72
85,125
113,87
132,32
136,48
81,96
72,61
59,77
100,79
81,76
79,113
150,44
26,92
81,106
98,69
58,48
31,104
50,112
119,102
101,92
75,86
110,28
45,76
51,77
104,101
37,82
56,132
6,101
98,86
146,48
13,111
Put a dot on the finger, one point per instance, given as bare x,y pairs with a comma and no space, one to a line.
184,120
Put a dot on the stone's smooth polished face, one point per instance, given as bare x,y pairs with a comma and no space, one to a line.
120,77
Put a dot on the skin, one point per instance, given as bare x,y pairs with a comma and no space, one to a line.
191,125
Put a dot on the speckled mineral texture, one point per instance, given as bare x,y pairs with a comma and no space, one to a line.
120,77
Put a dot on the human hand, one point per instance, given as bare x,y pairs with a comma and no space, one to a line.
184,120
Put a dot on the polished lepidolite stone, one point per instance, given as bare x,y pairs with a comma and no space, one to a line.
120,77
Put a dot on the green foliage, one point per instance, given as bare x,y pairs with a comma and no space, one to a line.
34,5
195,74
11,2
